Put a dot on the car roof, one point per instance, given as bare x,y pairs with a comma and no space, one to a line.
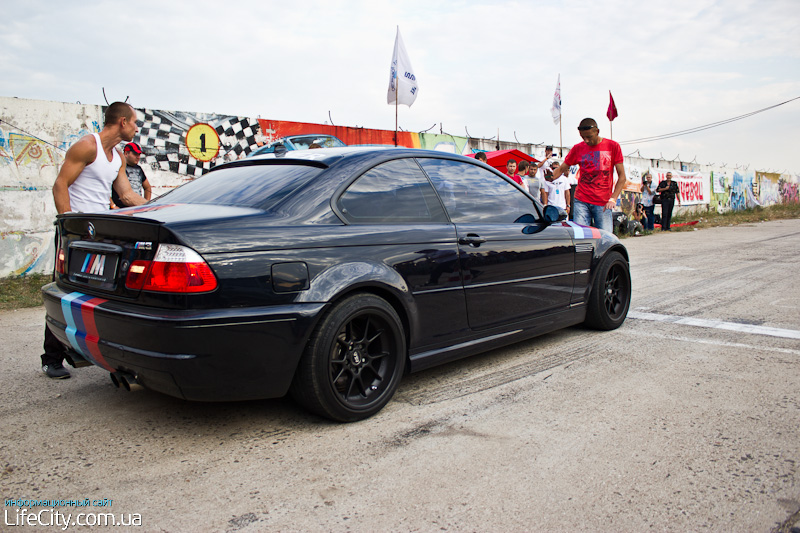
327,157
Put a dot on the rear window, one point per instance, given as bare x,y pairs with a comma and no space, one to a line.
257,186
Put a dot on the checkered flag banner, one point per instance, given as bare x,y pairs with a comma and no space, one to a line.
162,135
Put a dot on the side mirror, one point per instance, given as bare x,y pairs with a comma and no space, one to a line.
554,214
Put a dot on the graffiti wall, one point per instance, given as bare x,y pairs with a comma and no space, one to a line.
33,138
788,190
182,146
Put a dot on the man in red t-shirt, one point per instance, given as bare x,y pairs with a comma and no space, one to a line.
596,195
511,172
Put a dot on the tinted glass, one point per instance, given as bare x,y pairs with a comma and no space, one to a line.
259,186
396,192
324,141
264,150
473,194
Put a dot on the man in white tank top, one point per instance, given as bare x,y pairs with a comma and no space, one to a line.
92,166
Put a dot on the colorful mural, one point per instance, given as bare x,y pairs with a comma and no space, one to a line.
27,150
768,188
32,247
789,191
163,137
181,146
275,129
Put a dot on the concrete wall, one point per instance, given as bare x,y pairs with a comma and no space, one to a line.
35,134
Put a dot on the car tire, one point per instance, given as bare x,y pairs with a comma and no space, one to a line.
611,293
353,361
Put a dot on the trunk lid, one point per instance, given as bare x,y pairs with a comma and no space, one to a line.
98,249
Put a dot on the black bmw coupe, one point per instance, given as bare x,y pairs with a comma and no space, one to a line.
326,274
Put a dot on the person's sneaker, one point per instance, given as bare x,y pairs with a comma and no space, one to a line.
56,371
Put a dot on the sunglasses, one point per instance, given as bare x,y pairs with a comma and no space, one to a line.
585,128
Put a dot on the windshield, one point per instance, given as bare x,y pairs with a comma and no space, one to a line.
257,186
300,142
322,141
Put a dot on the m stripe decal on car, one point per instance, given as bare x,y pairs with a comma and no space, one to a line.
78,310
583,232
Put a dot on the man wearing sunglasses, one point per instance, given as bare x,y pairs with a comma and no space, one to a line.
596,195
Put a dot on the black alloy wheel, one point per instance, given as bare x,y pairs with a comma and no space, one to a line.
611,293
353,362
616,293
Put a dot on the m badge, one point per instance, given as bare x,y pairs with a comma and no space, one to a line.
94,264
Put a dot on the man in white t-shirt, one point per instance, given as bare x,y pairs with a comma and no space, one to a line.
92,166
545,163
558,192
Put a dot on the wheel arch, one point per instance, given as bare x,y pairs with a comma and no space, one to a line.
368,277
383,292
603,248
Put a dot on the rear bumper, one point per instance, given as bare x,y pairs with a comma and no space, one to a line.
203,355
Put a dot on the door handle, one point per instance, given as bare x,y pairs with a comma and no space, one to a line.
472,240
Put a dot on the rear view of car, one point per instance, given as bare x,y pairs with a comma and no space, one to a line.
145,293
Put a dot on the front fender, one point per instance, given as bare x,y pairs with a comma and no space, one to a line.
607,243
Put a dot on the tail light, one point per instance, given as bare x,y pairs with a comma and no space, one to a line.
174,269
60,261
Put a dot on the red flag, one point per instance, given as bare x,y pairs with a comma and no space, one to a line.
612,109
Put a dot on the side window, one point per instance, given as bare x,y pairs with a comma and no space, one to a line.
396,192
475,195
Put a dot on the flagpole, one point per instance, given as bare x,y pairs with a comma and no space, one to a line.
611,113
396,90
400,63
556,112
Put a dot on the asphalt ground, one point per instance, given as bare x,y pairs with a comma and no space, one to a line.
687,418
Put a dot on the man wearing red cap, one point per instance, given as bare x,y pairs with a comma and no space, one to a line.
135,173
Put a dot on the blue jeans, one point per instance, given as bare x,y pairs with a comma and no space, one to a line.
651,217
593,215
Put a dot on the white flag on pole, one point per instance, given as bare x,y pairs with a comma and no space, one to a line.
556,109
403,83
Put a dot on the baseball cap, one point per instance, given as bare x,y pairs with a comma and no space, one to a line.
133,147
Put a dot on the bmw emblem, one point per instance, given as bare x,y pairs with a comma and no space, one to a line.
91,230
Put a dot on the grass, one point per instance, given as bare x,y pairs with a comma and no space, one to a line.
24,291
711,219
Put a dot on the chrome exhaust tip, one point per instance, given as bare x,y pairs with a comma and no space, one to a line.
129,382
126,381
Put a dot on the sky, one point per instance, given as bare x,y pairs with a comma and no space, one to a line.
483,68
